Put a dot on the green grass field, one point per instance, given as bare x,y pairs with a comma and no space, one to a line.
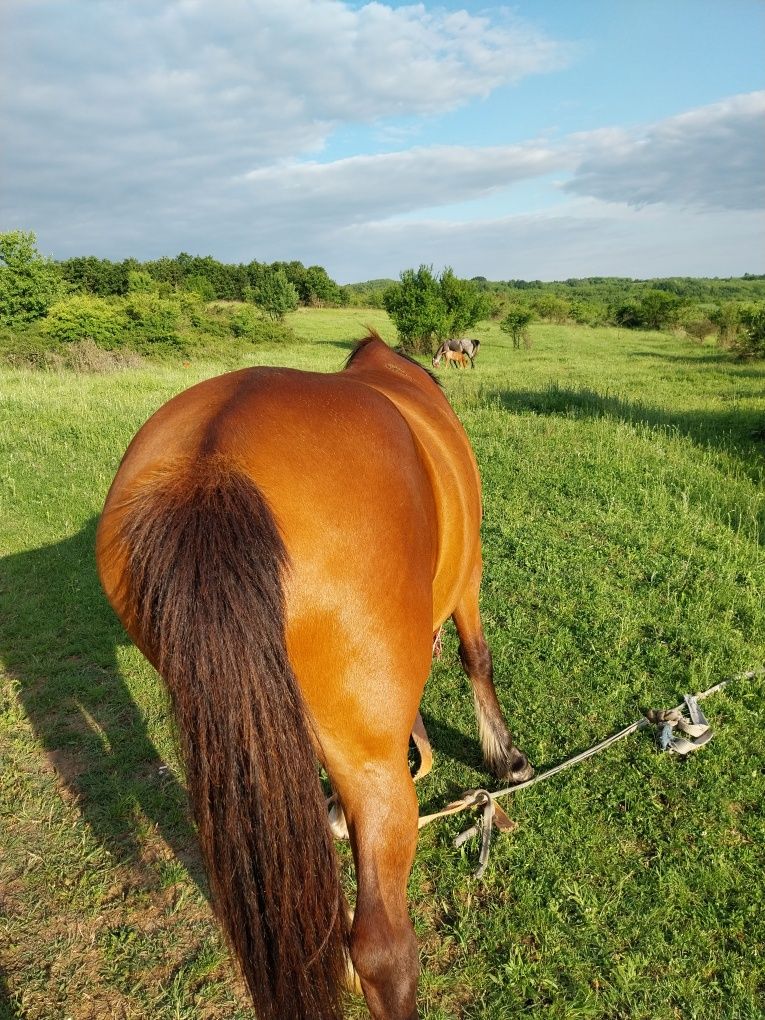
624,565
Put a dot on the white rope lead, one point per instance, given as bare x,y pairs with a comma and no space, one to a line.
664,720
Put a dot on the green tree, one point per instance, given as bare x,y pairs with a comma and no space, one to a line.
275,294
140,282
725,318
516,323
660,309
29,283
89,275
320,288
750,342
426,308
201,286
465,303
416,308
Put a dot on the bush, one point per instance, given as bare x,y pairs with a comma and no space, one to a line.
246,323
699,328
551,308
140,282
275,294
725,318
750,342
152,319
516,323
82,317
200,286
29,283
426,308
588,313
654,309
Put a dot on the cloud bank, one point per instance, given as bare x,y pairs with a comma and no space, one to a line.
144,128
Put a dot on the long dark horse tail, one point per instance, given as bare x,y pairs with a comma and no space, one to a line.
205,562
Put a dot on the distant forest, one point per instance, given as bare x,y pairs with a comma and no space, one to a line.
163,301
595,296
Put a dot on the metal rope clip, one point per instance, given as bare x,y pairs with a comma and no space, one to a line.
696,727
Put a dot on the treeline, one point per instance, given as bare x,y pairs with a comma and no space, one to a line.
732,309
170,303
81,308
660,303
599,301
203,275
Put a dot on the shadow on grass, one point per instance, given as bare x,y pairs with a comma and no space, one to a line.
740,432
450,743
59,640
8,1009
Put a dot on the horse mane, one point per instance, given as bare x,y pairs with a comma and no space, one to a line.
374,335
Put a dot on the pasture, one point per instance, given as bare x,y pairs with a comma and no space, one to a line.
624,536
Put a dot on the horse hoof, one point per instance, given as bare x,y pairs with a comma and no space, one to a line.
515,768
522,770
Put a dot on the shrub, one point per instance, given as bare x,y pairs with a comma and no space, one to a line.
29,283
588,313
425,307
140,282
246,323
750,342
152,319
516,323
200,286
82,317
551,308
699,328
275,294
725,318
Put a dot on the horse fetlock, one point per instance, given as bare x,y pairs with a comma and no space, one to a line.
502,757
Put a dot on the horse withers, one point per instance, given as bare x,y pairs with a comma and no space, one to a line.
282,546
465,347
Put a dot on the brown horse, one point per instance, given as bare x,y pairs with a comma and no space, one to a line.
282,546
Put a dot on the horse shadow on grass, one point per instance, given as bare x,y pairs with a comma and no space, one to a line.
60,641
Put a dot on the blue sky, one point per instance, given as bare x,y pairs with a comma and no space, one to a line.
538,140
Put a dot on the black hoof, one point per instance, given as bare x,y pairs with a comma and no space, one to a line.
514,768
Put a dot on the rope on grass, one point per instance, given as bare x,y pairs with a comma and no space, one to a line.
665,721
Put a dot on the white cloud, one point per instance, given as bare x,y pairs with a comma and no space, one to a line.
137,127
368,187
111,104
590,238
711,157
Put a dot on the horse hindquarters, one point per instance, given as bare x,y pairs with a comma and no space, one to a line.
200,591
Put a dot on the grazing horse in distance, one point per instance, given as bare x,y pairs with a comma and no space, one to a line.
282,546
467,346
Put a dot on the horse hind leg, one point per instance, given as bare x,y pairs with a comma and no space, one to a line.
501,755
421,767
381,808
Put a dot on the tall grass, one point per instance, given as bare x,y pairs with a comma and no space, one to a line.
624,564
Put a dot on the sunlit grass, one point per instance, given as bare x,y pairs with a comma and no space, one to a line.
623,535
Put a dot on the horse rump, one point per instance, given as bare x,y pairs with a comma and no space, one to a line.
203,579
